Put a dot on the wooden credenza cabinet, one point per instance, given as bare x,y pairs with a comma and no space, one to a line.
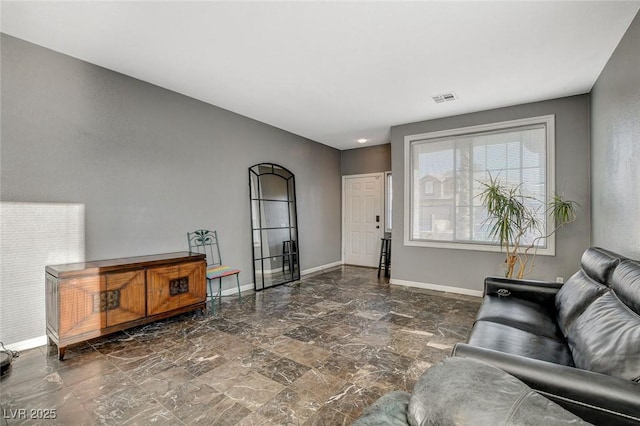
90,299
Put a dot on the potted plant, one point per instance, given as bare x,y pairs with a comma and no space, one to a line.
518,225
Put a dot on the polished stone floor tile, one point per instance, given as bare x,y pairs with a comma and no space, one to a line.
352,399
327,416
314,352
289,407
253,390
284,371
317,385
226,412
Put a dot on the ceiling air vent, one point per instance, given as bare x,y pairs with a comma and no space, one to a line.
444,97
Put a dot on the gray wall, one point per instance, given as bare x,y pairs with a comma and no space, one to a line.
371,159
148,163
466,268
615,147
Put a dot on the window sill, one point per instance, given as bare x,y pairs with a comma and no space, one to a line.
549,251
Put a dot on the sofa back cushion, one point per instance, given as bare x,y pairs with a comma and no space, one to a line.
606,338
625,282
574,297
599,263
585,285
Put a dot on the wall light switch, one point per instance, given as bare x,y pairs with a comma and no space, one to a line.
559,280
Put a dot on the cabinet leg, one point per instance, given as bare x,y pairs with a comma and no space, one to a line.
52,348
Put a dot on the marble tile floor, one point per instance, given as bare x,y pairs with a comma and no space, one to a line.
314,352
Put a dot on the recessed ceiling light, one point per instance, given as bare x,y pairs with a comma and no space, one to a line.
363,140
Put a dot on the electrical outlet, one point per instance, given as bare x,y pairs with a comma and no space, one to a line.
559,280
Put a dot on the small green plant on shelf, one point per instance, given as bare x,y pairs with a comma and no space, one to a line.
515,217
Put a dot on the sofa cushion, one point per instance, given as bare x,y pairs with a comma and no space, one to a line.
524,314
504,338
574,297
606,338
599,263
625,281
585,285
464,391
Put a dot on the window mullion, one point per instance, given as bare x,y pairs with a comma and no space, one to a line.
470,183
455,190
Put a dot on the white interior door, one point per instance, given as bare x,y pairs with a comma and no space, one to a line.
363,218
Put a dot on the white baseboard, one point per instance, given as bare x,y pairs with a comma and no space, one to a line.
233,290
28,344
322,267
444,288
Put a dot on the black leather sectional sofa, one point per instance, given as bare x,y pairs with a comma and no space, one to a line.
576,343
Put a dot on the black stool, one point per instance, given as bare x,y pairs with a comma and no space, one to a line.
289,251
385,256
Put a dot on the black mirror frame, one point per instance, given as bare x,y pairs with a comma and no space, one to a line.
291,247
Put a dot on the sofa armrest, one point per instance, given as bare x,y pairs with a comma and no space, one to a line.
541,291
595,397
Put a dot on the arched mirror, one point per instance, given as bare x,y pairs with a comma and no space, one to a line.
274,225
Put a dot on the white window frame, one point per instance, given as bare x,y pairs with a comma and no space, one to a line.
547,120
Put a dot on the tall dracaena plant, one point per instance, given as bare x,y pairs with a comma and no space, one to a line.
512,218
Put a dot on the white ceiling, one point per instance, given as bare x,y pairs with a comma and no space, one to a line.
335,72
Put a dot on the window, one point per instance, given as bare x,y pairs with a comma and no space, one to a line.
428,187
444,172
